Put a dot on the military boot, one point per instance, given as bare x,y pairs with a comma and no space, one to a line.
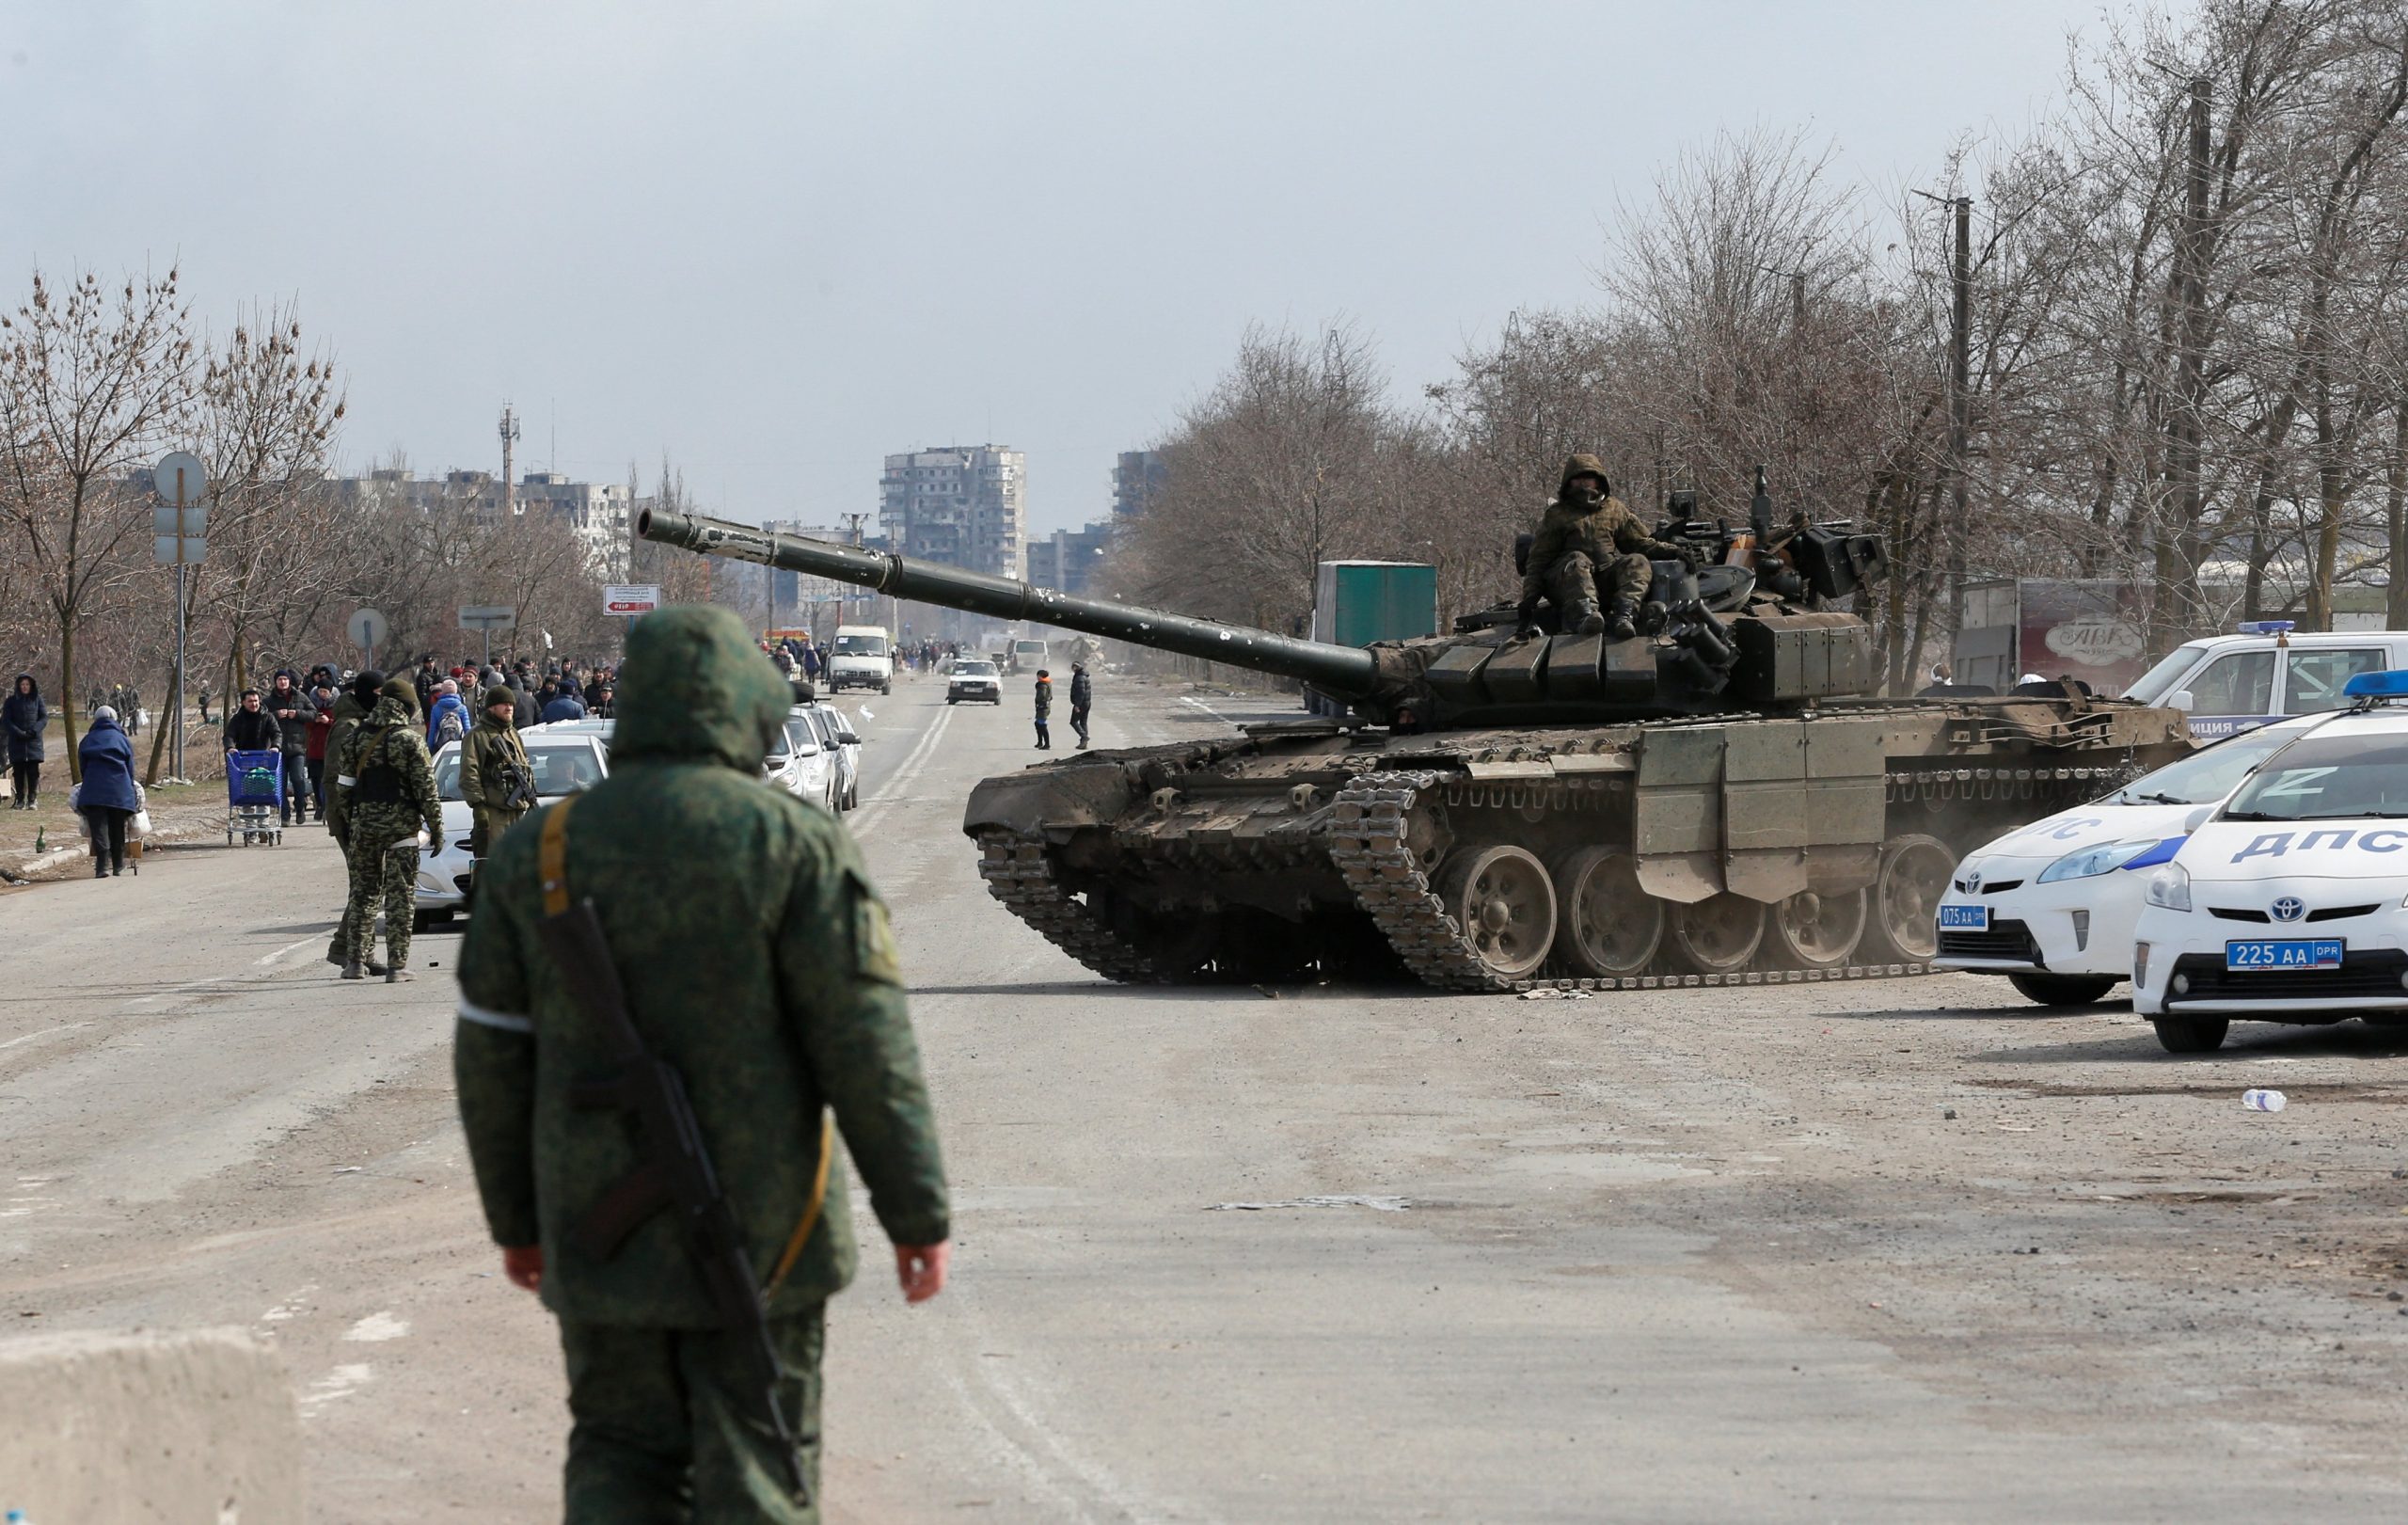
1618,623
1583,619
399,972
370,963
351,969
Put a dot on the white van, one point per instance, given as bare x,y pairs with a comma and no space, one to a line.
2235,683
861,656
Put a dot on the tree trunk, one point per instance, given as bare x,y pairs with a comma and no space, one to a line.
2395,519
67,696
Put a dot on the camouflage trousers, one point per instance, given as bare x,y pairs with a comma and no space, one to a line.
1575,581
660,1428
380,877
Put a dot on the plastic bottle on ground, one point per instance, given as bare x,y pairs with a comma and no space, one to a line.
2263,1101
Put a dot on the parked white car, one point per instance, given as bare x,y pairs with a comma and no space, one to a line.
802,764
2052,905
567,758
2290,903
838,728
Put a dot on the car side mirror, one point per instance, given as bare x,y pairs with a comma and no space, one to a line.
2197,818
2180,699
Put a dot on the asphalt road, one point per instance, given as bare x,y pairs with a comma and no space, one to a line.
1671,1256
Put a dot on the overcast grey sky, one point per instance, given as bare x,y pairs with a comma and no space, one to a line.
781,240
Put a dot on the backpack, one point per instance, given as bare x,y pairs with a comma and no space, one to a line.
449,728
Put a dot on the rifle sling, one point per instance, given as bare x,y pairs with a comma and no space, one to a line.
551,859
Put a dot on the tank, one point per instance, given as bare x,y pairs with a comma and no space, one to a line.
1715,801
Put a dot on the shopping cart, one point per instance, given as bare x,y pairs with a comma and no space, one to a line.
254,796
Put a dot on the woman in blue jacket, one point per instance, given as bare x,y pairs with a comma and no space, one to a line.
106,799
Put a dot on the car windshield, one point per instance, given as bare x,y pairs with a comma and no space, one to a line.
861,645
2154,684
971,669
2328,778
800,737
2205,776
558,771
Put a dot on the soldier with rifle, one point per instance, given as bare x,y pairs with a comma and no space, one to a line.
677,990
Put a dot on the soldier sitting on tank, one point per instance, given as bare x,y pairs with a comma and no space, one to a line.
1590,545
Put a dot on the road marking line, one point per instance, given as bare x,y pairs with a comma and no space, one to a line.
27,1038
376,1329
283,951
892,790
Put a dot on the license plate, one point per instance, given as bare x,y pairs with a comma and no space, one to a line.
2284,953
1964,918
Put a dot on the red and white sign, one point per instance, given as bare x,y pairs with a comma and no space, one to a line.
630,598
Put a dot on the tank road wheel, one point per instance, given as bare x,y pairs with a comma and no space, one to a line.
1605,925
1720,934
1506,904
1814,930
1906,898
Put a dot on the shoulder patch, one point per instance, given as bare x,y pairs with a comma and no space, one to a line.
874,954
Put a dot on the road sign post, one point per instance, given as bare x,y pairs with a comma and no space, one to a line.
368,628
179,526
486,619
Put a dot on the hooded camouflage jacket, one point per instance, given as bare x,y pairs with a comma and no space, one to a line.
348,712
1601,531
756,961
386,755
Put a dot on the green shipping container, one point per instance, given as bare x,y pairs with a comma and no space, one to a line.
1355,603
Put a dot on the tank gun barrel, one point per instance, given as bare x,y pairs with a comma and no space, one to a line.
1344,670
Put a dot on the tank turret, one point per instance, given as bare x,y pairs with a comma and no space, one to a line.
1715,640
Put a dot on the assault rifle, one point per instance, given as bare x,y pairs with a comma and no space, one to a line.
676,1174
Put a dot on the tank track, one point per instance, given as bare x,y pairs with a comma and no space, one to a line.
1021,874
1368,848
1367,845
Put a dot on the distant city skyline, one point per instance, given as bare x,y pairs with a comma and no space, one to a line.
790,240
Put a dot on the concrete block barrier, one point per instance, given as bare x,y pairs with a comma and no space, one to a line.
190,1428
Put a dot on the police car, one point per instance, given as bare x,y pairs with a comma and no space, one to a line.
2286,904
2052,905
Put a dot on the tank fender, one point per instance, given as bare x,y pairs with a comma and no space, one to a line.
1051,802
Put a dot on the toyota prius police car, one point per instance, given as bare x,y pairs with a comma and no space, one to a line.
2290,903
2052,905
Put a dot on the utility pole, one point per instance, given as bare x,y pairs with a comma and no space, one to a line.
1960,397
509,479
2190,274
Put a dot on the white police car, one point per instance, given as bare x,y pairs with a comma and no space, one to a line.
2052,905
2287,904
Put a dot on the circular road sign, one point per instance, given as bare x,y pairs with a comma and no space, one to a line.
368,628
195,477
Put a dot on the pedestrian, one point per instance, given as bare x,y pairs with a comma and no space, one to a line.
204,706
1082,699
424,680
293,711
105,797
351,705
1044,709
563,704
765,975
27,720
603,705
251,728
496,778
811,661
321,725
448,721
391,783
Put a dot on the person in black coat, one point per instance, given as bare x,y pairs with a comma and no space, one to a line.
251,728
1082,699
25,717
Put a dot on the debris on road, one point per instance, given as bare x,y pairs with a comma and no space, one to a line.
2263,1101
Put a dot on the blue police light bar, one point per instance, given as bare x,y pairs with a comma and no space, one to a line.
2268,627
2393,684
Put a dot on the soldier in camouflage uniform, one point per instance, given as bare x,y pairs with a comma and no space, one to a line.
389,782
496,778
1588,541
757,963
351,707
